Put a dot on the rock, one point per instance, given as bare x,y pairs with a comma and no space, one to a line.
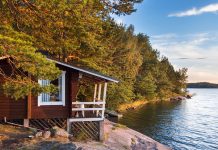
178,98
55,145
173,99
188,96
113,113
47,134
181,98
141,144
67,146
56,131
38,134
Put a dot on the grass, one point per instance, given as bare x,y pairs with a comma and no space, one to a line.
106,136
140,103
132,105
133,141
117,125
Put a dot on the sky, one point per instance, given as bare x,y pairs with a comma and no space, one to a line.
186,31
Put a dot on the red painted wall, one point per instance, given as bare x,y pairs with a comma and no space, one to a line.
9,107
18,109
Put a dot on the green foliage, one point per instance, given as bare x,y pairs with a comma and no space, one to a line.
143,73
146,86
18,47
119,94
121,7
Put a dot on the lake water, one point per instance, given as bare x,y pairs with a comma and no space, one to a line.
188,125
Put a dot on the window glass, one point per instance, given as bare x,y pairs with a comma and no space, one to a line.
57,97
53,98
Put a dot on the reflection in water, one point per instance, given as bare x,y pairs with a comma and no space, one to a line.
190,124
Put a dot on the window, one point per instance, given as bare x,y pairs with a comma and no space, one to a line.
55,98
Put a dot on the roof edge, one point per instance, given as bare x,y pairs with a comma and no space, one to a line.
85,71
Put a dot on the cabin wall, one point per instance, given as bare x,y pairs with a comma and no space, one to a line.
20,109
10,108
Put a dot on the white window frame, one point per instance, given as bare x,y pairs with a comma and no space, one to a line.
63,96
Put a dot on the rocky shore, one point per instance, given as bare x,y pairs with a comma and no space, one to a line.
117,137
122,138
180,98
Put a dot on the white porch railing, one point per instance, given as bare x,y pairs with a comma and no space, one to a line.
86,109
94,103
96,109
98,105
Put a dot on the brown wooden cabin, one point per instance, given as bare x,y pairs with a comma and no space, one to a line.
64,104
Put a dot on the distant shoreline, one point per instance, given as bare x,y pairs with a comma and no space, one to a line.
204,85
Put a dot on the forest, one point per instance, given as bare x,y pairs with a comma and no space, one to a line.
84,32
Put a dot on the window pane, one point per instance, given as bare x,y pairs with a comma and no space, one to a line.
45,96
60,87
56,97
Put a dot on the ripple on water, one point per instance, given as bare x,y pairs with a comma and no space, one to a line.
187,125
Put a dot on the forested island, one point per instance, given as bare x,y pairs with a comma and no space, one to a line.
83,32
202,85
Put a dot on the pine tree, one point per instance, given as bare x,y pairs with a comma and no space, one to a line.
23,60
146,86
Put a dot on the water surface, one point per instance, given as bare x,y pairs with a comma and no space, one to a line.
186,125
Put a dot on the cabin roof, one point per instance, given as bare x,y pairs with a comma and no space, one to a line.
84,70
79,68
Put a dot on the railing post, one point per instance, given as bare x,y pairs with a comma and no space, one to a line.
99,92
69,126
99,97
95,92
104,98
101,130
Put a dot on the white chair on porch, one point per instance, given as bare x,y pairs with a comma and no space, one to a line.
83,112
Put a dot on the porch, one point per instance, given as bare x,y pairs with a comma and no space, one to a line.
88,116
91,110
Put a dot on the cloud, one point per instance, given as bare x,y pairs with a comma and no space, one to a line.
203,76
212,8
193,58
180,46
197,52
